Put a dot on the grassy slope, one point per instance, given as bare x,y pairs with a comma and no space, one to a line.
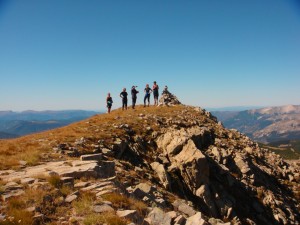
36,147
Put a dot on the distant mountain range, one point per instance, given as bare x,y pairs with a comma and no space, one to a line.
265,125
14,124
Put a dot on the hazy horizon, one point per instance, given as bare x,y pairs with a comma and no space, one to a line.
70,54
226,108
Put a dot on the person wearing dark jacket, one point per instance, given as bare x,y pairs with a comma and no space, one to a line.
134,95
123,95
155,92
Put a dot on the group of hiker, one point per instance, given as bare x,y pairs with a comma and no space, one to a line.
134,92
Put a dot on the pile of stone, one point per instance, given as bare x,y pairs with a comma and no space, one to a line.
168,98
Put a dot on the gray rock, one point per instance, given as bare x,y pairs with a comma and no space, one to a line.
103,208
31,209
81,184
131,215
96,157
193,166
27,180
183,207
71,198
162,174
196,220
214,221
107,151
180,220
242,164
158,217
142,190
67,180
172,214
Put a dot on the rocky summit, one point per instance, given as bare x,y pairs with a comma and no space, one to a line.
161,165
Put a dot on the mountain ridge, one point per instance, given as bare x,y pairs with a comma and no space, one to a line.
30,121
178,160
268,124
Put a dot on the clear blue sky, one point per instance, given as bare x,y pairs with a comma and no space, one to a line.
67,54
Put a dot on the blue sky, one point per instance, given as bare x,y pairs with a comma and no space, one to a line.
67,54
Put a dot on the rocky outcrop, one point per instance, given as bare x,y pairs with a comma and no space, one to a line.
167,98
183,168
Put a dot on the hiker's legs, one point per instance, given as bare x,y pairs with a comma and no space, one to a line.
133,102
125,104
148,97
145,98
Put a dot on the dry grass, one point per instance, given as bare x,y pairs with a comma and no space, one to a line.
83,205
104,218
16,212
122,201
16,207
34,196
65,190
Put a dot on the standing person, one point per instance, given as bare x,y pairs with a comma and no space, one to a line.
109,102
155,92
133,95
147,94
123,95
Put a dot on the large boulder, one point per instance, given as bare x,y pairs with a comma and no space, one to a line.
183,148
161,173
193,166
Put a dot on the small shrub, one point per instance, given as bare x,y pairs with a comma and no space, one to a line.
65,190
55,181
83,205
118,200
32,158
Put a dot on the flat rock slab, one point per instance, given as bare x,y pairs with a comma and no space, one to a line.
75,169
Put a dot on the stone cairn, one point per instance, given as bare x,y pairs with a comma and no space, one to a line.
168,98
